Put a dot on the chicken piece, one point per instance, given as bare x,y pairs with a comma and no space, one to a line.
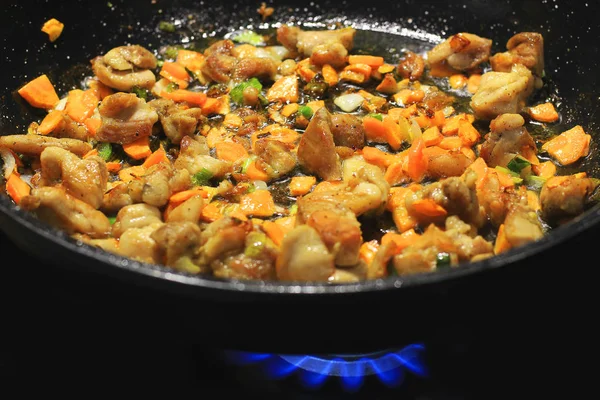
222,66
334,54
411,66
355,274
84,179
436,99
468,244
135,216
194,157
564,197
316,151
337,226
125,118
224,237
494,199
126,67
456,195
526,48
178,244
138,244
190,210
68,128
304,257
502,92
276,158
177,121
522,225
115,198
348,131
158,184
463,51
444,165
65,212
33,145
422,256
305,42
256,262
508,138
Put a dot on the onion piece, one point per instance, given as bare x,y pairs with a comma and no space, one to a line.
9,161
260,185
349,102
415,130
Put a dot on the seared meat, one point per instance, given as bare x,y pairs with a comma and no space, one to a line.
177,121
194,157
178,244
157,184
522,225
307,42
463,51
277,159
564,197
526,48
35,144
126,67
347,130
411,66
508,138
135,216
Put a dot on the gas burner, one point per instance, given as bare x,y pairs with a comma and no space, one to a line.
351,369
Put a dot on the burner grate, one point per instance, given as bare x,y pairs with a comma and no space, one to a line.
351,369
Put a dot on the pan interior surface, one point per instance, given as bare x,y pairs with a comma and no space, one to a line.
386,30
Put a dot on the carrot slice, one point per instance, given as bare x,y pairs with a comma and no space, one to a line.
53,28
50,122
40,92
330,75
230,151
372,61
81,104
258,203
429,208
300,185
138,149
17,188
569,146
183,95
160,155
543,112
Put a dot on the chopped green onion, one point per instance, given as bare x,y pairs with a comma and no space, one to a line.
256,244
112,220
376,116
507,171
171,52
293,209
159,63
306,112
517,164
171,87
109,4
140,92
166,26
237,93
534,182
443,260
202,177
249,37
105,150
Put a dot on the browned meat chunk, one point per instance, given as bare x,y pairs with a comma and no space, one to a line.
444,165
277,159
305,42
68,128
316,151
256,262
35,144
468,244
125,118
177,121
334,54
564,197
157,184
178,244
126,67
135,216
508,138
463,51
522,225
348,131
502,92
222,238
222,66
526,48
411,66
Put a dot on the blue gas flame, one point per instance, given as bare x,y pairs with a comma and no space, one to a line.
389,367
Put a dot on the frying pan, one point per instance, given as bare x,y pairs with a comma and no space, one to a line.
250,312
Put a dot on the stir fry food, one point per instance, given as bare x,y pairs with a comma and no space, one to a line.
297,157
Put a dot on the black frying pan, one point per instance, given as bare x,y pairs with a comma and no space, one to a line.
301,311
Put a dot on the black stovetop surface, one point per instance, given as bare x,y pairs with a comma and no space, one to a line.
61,332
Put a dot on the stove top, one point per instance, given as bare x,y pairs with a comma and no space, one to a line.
65,331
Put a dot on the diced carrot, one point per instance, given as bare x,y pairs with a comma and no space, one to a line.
289,109
402,240
300,185
131,173
330,75
387,85
232,121
373,155
113,166
81,104
92,152
190,59
451,143
501,244
16,187
533,200
256,174
274,231
188,96
184,195
429,208
545,169
409,96
467,133
305,72
138,149
211,213
53,28
457,81
394,174
158,156
352,76
361,68
40,92
284,89
417,163
386,68
176,73
569,146
375,130
432,136
230,151
393,133
258,203
368,250
467,151
50,122
442,70
214,136
92,125
372,61
219,105
543,112
473,83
